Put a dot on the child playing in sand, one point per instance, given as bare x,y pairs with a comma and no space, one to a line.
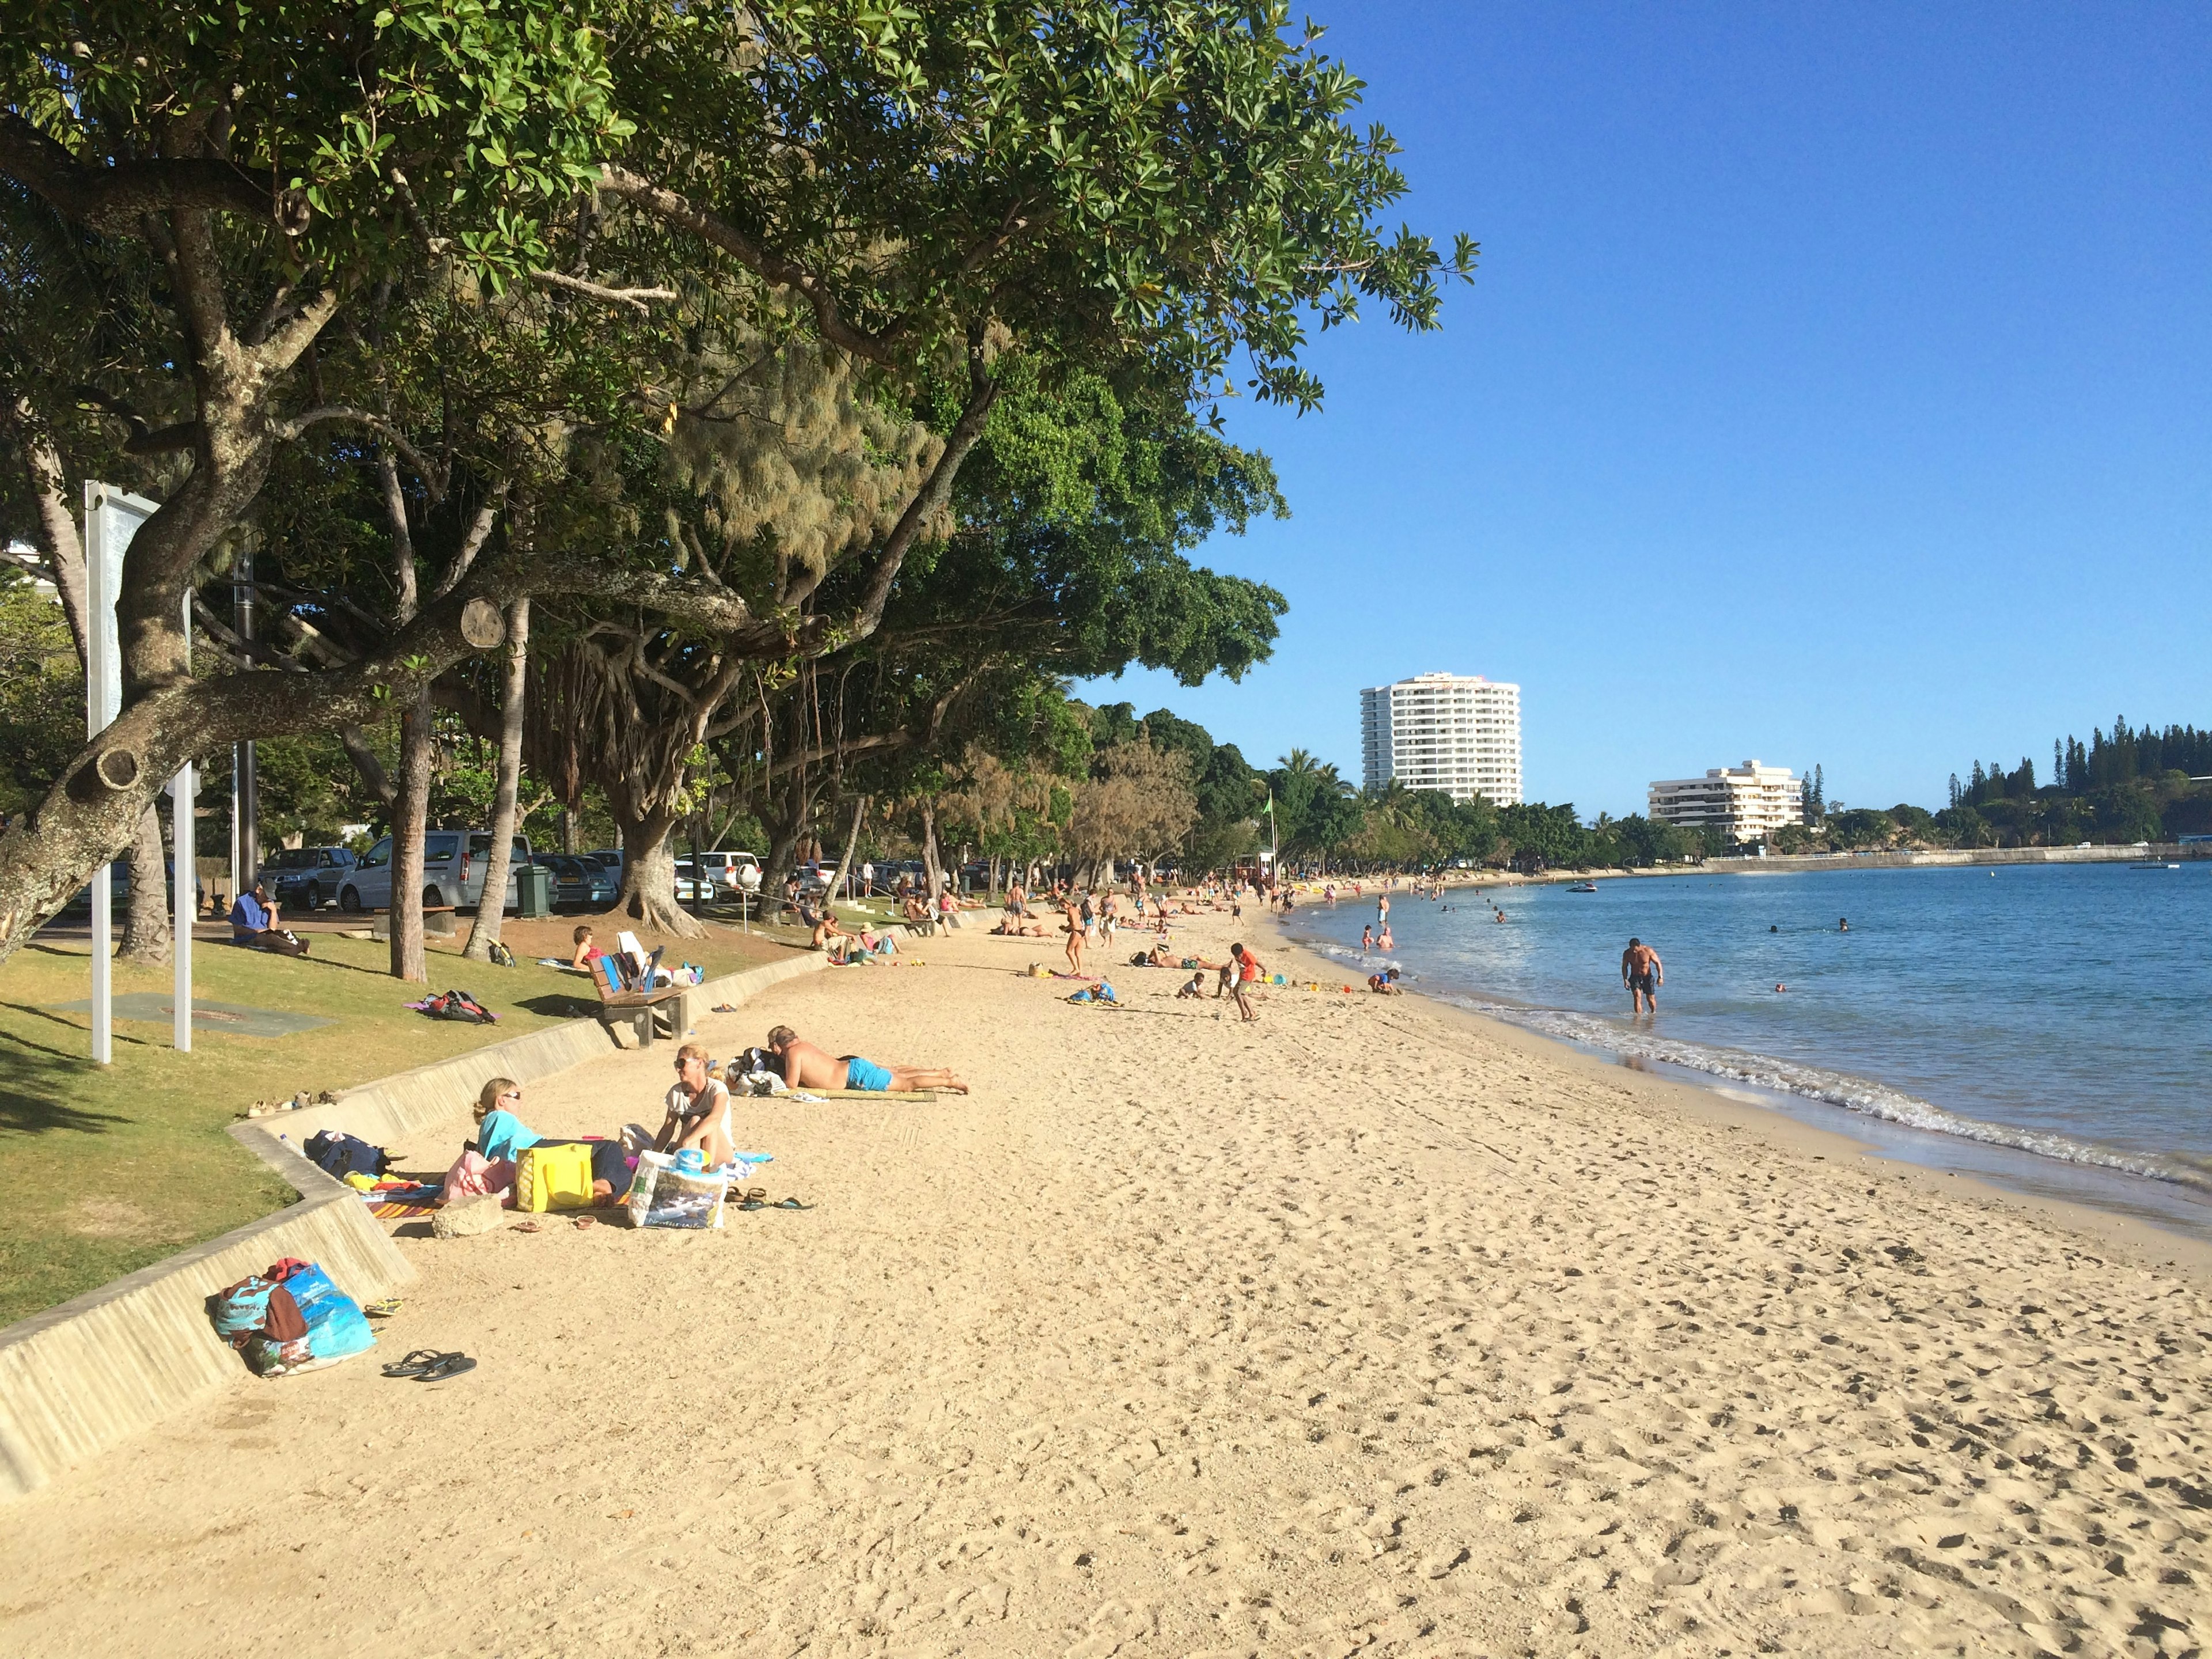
1247,968
1195,988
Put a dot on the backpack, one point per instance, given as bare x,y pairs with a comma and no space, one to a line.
500,955
339,1154
459,1004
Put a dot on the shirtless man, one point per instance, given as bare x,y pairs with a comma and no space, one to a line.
805,1066
1643,973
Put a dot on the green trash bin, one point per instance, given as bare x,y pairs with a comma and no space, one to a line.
533,892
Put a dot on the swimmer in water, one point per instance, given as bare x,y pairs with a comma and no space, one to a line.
1780,988
1367,938
1843,924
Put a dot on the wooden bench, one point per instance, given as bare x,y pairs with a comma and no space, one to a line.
636,1009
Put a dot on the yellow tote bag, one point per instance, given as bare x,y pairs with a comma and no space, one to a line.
554,1178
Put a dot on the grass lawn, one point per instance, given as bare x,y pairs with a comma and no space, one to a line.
104,1171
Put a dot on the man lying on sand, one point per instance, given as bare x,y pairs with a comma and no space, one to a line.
805,1066
1010,929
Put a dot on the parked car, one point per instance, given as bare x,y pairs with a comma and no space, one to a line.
452,872
579,880
724,871
118,890
610,857
306,877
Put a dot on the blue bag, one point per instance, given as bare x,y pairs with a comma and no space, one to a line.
336,1325
335,1153
241,1310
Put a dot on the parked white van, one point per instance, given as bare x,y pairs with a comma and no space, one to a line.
452,872
723,870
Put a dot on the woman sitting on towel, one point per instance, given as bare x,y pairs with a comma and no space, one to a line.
698,1111
502,1137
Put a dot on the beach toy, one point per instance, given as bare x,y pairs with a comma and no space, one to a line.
690,1161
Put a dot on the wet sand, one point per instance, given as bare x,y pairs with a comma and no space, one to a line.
1370,1327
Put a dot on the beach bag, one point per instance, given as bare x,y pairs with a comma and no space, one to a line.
336,1325
661,1195
459,1004
550,1177
337,1153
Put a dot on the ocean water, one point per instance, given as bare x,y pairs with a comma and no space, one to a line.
2049,1027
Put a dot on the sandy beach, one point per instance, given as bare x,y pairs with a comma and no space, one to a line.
1366,1328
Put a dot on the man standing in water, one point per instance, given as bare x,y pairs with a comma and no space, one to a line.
1643,973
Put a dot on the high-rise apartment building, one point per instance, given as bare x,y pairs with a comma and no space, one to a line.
1748,802
1457,733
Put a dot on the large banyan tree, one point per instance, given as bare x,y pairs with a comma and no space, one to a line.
926,192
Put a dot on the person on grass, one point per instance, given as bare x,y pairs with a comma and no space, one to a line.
253,924
586,953
806,1066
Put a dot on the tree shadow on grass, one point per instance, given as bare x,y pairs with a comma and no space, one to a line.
556,1006
33,1100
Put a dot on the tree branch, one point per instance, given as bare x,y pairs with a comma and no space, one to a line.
982,392
112,197
711,228
635,298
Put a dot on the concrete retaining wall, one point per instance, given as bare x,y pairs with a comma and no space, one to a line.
78,1378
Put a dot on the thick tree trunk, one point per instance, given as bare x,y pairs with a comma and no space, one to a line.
146,921
410,813
648,889
492,907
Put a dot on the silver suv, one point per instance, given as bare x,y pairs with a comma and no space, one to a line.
452,872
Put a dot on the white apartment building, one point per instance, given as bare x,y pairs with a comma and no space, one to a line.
1748,802
1457,733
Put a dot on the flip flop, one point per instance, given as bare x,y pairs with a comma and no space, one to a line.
416,1363
789,1204
449,1365
386,1309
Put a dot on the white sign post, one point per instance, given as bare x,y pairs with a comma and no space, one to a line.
111,518
184,840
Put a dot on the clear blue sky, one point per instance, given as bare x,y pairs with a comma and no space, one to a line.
1837,386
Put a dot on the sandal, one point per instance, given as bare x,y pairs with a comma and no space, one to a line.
448,1365
755,1198
416,1363
386,1309
789,1204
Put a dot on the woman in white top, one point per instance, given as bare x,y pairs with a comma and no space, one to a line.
698,1111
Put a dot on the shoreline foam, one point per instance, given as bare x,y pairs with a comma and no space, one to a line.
1807,1081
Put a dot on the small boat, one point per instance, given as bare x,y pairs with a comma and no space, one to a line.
1583,887
2154,867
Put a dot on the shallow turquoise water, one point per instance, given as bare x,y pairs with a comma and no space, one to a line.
2052,1024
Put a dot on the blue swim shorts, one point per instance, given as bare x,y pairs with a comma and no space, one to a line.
865,1074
